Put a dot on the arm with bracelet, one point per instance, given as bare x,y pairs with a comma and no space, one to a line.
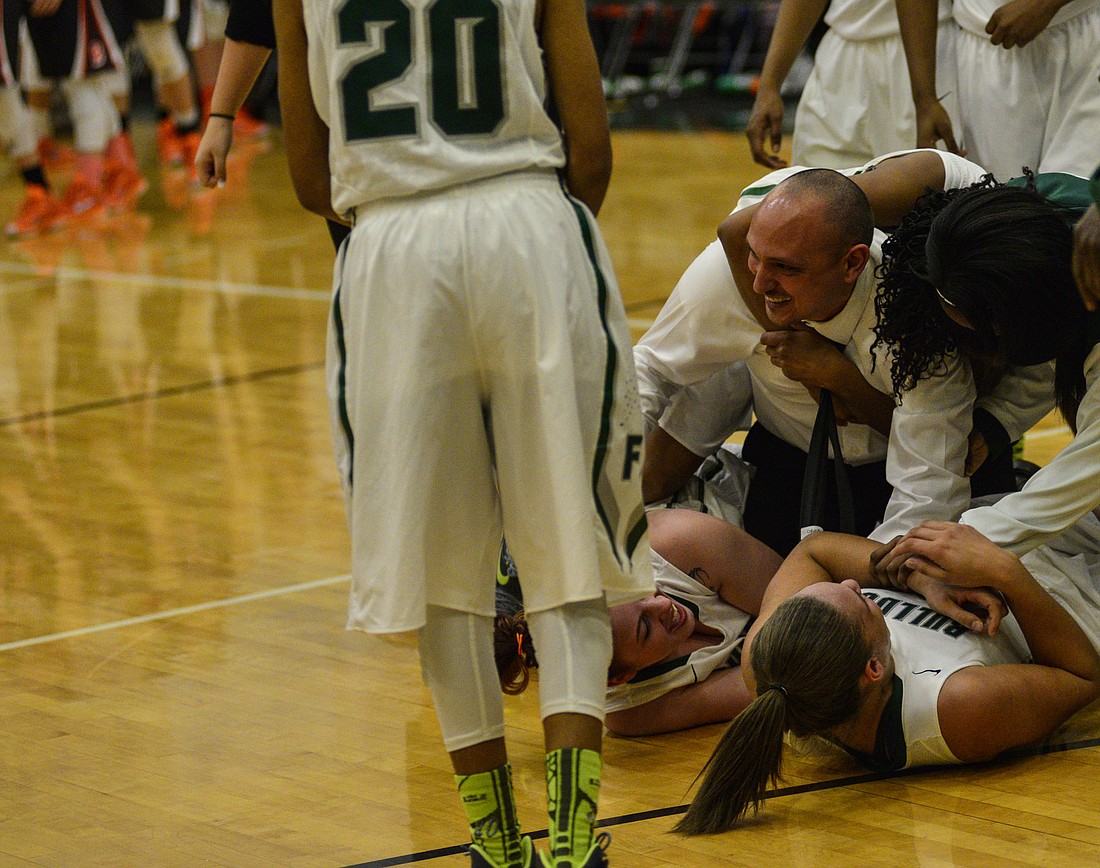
249,40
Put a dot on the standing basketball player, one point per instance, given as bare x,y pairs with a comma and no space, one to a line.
75,44
479,363
39,208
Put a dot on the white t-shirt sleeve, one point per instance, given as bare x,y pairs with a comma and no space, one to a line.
703,328
927,454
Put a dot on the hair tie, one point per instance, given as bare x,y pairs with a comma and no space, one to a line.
519,644
781,689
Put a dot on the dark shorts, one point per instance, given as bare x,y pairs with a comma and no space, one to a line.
57,40
10,13
125,13
153,10
774,500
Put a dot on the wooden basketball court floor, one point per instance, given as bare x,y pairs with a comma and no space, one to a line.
176,686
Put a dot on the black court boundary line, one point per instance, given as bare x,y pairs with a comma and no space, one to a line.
157,394
658,813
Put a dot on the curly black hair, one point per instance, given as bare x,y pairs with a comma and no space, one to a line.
1000,257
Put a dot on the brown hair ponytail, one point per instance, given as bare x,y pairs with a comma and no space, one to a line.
743,764
807,660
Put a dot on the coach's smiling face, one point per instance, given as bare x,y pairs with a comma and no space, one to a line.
800,267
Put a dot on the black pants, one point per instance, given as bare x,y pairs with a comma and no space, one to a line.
337,232
995,476
775,495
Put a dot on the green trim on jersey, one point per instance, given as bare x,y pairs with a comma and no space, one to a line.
758,191
605,501
637,531
1076,195
658,669
342,377
1065,191
600,457
890,751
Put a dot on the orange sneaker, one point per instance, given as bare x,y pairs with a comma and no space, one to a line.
54,155
169,145
82,203
40,211
123,185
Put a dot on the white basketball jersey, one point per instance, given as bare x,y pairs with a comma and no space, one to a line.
928,648
420,95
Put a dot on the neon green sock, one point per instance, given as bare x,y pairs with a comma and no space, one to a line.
572,793
491,810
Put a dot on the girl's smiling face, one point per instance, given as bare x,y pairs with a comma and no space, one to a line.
647,631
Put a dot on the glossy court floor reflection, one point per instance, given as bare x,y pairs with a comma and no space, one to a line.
176,683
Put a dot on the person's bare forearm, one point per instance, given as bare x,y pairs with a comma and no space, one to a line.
241,65
918,24
793,25
307,145
856,400
1054,637
574,74
957,554
668,465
